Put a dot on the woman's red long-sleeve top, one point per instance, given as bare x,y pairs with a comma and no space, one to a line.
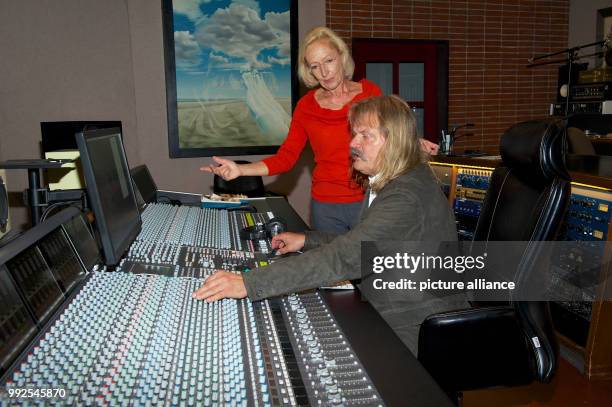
329,135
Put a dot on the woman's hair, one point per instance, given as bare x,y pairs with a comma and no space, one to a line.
402,149
323,33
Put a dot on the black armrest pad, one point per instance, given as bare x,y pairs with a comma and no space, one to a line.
475,348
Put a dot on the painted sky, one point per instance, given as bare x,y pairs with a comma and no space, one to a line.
216,40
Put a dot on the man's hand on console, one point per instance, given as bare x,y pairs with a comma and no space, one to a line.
288,242
221,284
227,169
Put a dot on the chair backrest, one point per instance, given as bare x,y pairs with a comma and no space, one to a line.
251,186
578,142
526,201
528,192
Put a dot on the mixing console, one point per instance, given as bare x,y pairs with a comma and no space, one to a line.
186,225
444,174
202,227
334,373
472,185
191,256
576,271
136,336
138,339
588,215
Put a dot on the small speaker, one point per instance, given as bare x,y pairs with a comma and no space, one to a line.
5,225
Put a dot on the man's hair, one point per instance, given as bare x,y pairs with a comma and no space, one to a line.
401,150
323,33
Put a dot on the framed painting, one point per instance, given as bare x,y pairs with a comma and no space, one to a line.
230,82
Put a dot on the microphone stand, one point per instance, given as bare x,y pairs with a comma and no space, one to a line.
572,56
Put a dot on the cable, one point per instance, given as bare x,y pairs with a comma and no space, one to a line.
53,206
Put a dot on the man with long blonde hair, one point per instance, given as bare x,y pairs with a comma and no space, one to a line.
404,202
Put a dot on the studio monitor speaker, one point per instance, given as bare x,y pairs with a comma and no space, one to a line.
564,77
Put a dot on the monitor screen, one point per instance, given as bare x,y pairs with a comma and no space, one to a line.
33,276
144,182
83,241
61,135
16,325
62,260
110,191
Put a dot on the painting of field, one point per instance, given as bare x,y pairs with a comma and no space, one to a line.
222,123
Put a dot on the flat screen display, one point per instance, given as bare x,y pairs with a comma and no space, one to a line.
83,241
33,276
62,260
144,182
16,325
60,135
110,191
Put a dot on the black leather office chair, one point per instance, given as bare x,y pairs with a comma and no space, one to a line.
251,186
578,142
512,343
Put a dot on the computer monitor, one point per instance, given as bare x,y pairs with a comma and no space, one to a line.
145,183
110,191
61,135
17,326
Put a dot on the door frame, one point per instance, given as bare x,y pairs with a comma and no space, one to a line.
441,70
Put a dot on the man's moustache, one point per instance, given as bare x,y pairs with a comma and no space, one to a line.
358,154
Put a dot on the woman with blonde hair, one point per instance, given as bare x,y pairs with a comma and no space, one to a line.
321,118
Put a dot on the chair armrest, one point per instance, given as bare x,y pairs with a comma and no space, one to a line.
475,348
